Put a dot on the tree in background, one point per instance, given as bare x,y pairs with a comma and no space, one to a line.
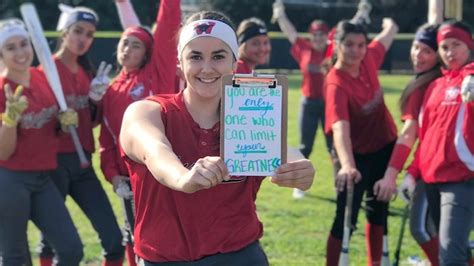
49,12
405,12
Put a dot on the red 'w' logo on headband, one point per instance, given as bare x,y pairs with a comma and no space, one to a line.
204,28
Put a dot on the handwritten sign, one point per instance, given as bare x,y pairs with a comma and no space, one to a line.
251,127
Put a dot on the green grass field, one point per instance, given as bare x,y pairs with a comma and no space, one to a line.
295,230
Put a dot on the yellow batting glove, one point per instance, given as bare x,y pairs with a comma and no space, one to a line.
68,118
15,105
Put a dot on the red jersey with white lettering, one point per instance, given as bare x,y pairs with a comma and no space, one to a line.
37,142
243,67
309,61
446,130
122,92
156,77
175,226
76,88
360,102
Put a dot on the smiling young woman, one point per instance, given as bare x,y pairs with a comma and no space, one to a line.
363,130
427,68
254,45
28,150
148,67
83,93
186,211
426,65
445,158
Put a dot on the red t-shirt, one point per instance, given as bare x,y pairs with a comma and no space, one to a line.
360,102
243,67
156,77
309,61
37,142
76,88
447,131
175,226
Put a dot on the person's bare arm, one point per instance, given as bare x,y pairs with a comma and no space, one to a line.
343,144
386,187
285,24
408,134
8,138
142,137
126,12
143,140
435,11
387,35
363,13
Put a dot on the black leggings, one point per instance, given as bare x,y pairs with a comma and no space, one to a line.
83,186
372,167
251,255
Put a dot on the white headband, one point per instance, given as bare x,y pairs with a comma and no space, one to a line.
10,29
208,28
70,15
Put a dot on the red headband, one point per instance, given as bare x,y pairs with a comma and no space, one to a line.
317,26
450,31
141,34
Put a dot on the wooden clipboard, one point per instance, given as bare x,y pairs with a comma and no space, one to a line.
254,117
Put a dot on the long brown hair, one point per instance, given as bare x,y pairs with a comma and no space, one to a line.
419,82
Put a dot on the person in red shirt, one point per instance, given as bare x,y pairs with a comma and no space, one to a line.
129,18
427,68
148,68
188,208
254,45
445,158
28,147
362,128
77,26
310,55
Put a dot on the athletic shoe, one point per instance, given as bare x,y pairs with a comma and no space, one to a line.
417,261
298,193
